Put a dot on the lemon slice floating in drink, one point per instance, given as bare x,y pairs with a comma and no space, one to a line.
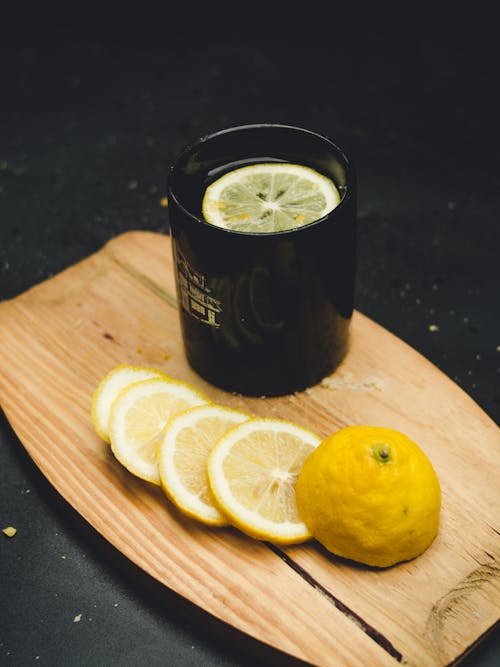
269,197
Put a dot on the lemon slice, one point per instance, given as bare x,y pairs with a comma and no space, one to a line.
182,459
252,471
269,197
138,417
109,388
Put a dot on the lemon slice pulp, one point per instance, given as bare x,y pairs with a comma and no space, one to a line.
138,417
252,471
269,197
108,389
182,459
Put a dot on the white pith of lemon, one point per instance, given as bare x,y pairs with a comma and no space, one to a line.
188,439
138,417
252,471
108,389
269,197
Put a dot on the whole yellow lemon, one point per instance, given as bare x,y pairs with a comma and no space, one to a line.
370,494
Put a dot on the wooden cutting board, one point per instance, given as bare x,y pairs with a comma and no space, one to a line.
58,339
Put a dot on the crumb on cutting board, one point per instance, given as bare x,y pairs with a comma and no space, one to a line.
347,381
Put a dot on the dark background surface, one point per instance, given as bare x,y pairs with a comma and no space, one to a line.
92,113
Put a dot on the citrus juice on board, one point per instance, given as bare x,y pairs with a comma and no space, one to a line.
262,219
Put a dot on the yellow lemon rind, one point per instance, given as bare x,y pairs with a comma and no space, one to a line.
368,511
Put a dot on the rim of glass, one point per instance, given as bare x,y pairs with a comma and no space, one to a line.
195,144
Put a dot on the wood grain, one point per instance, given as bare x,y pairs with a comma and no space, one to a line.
118,306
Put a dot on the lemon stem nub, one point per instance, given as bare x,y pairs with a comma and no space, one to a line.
382,452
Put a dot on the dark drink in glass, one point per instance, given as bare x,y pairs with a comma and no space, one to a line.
263,313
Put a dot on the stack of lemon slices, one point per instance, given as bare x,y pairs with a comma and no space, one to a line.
216,464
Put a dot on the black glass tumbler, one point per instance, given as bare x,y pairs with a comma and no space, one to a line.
263,313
